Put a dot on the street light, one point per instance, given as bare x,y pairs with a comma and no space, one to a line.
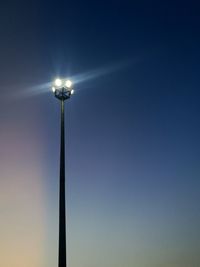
62,90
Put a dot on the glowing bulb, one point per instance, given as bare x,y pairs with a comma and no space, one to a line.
68,83
72,92
58,82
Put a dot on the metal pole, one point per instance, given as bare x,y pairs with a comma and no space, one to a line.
62,215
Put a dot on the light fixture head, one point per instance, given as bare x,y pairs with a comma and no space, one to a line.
62,88
58,82
68,83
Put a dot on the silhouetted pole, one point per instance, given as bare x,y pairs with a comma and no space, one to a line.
62,211
62,90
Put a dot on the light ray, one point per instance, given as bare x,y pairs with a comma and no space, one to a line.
99,72
77,79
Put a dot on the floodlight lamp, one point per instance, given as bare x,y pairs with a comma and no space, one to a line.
68,83
58,82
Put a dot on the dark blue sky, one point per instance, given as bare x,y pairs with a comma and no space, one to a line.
132,132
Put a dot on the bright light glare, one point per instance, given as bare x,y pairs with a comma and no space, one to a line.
58,82
53,89
72,92
68,83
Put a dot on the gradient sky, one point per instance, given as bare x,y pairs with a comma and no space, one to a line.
133,172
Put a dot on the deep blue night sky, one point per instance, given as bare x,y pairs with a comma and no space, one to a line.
132,132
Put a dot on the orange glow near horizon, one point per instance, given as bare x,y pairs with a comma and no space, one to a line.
22,206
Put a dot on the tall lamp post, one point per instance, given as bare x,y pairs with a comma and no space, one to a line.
62,90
